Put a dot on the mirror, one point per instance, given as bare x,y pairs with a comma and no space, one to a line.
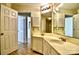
66,20
58,23
46,22
46,18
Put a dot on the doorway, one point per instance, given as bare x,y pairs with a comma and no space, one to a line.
48,26
24,29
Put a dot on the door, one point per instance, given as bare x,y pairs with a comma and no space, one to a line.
29,29
9,33
21,29
48,26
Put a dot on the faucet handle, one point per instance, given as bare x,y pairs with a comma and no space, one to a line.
42,34
63,39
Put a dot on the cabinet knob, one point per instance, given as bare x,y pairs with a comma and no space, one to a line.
2,34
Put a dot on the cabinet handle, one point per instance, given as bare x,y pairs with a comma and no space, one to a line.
2,34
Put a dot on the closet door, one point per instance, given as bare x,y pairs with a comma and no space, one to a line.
9,33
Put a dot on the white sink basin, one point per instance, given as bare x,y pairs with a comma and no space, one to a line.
65,45
70,47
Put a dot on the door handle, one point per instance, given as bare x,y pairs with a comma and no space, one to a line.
2,34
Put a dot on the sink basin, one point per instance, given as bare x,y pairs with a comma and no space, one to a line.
70,47
64,47
56,41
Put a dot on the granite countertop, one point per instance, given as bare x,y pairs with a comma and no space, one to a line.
64,48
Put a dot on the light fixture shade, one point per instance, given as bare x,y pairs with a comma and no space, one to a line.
49,18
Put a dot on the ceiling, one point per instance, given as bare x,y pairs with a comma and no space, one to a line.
28,4
64,6
70,6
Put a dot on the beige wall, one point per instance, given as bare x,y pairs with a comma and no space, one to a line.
70,12
7,4
78,11
67,11
35,11
72,40
43,23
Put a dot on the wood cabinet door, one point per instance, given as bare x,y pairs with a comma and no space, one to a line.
9,30
46,48
35,44
40,45
53,52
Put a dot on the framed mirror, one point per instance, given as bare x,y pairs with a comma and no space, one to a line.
66,20
46,18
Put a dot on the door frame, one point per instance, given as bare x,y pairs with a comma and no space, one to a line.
26,14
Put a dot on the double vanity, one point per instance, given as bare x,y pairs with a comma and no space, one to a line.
51,45
62,22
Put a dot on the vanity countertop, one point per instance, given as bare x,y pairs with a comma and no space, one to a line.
63,48
37,35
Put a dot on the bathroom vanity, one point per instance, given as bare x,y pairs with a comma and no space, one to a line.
65,25
49,45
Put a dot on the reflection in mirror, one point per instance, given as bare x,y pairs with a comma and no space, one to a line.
46,20
66,20
58,23
68,26
76,26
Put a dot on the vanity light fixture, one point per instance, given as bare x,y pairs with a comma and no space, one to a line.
46,8
49,18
